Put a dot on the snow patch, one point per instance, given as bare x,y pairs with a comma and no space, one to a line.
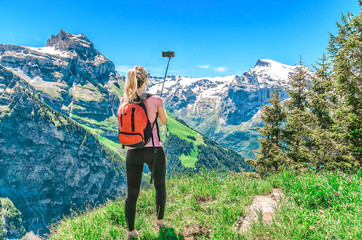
49,50
222,122
20,73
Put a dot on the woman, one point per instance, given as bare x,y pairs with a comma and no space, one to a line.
136,82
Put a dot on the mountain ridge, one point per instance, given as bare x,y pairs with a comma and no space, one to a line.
221,107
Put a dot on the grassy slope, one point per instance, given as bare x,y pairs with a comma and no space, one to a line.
316,206
242,138
187,134
100,127
89,92
115,147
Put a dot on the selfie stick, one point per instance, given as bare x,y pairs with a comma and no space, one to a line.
168,54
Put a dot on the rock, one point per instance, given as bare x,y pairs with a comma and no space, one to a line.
70,42
267,217
277,194
264,206
31,236
263,63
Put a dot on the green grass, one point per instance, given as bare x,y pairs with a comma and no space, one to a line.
98,128
53,91
86,92
182,131
109,124
6,111
78,107
92,130
53,116
111,145
117,91
189,161
315,206
209,125
11,215
189,135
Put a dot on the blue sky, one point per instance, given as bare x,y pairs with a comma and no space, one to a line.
210,38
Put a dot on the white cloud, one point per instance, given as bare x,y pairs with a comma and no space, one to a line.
204,66
123,68
217,69
220,69
195,49
155,71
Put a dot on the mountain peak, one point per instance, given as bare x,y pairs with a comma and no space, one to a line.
265,63
80,44
65,37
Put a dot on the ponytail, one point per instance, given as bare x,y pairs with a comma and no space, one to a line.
135,78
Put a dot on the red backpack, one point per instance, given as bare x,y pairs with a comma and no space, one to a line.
135,129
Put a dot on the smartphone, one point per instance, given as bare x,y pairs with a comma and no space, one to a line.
168,54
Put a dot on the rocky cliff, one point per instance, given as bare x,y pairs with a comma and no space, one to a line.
73,77
48,162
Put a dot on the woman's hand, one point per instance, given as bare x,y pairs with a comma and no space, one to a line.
162,114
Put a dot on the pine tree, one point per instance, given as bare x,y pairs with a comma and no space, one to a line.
346,56
270,156
297,134
320,95
321,100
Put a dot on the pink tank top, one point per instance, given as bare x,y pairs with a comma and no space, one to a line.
152,103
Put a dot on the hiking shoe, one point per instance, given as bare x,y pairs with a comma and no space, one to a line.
160,225
132,235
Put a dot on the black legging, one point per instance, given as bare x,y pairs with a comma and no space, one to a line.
134,165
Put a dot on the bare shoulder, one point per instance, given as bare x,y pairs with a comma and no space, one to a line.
155,98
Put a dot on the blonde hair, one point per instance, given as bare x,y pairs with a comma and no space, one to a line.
136,76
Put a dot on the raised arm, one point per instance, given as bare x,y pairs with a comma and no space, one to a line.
162,114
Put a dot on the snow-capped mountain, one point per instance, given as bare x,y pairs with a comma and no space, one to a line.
220,107
192,96
70,73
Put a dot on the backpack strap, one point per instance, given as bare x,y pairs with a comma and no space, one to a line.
158,131
149,95
142,104
155,122
155,150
